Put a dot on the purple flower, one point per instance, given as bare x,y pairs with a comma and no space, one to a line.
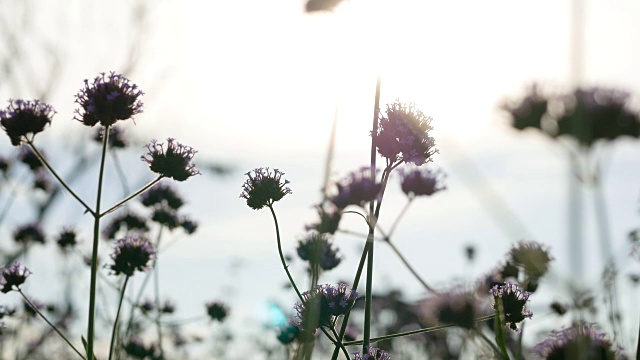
12,276
129,221
529,111
510,299
217,310
162,195
581,340
29,158
189,226
107,99
263,188
24,117
67,239
318,250
531,256
174,162
132,253
421,182
403,134
356,189
321,305
29,233
329,221
166,217
458,307
372,354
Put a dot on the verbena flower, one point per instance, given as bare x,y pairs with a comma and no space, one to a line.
328,222
116,137
166,217
5,163
528,112
189,226
173,162
581,341
162,195
41,181
356,189
128,221
419,182
318,250
512,299
29,233
169,307
288,334
24,117
107,99
372,354
12,276
67,239
403,134
130,254
458,307
217,310
263,188
29,158
533,257
321,305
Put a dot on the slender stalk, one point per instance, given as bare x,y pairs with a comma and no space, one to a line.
116,322
35,308
415,274
12,196
142,189
62,182
575,217
284,263
638,345
94,253
156,291
499,330
344,349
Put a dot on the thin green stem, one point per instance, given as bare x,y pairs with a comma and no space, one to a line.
284,263
116,322
142,189
35,308
55,174
411,269
94,253
344,349
156,291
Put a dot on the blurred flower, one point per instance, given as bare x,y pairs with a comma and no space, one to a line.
458,307
12,276
263,188
356,189
130,254
138,350
581,341
189,226
29,310
318,250
533,257
328,223
321,305
512,300
168,307
4,165
165,217
6,311
321,5
529,111
403,134
129,220
29,158
421,182
41,181
67,239
107,99
372,354
116,137
559,308
147,306
29,233
217,310
23,117
174,162
162,195
288,334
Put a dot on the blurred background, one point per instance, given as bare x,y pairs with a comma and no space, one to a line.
253,83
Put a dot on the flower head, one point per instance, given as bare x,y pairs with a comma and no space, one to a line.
129,221
132,253
29,158
288,334
24,117
356,189
264,187
531,256
421,182
12,276
166,217
529,111
217,310
510,300
67,239
581,341
403,134
189,226
321,305
318,250
174,162
372,354
29,233
329,221
457,307
162,195
107,99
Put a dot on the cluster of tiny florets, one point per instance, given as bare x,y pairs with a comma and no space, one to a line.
403,134
29,233
510,299
173,162
458,307
12,276
67,239
217,310
24,117
319,251
132,253
162,195
128,221
107,99
419,182
533,257
321,305
372,354
357,188
264,187
328,222
581,341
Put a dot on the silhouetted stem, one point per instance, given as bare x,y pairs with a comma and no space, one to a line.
143,189
116,322
415,274
156,291
284,263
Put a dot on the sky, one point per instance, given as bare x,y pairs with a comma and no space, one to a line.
252,83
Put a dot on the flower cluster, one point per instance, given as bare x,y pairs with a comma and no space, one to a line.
581,341
403,135
132,253
534,258
329,220
457,307
418,182
24,117
217,310
174,162
510,300
357,188
107,99
162,195
67,239
264,187
12,276
372,354
321,305
318,250
129,221
29,233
